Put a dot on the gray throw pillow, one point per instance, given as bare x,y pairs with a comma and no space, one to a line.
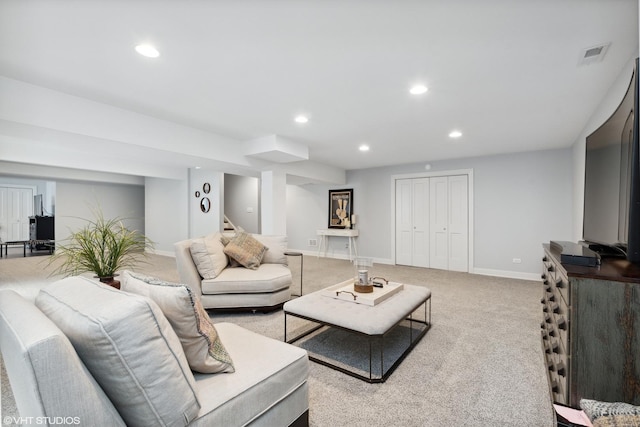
245,249
202,345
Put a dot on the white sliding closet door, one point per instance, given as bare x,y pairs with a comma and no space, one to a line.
458,223
19,207
412,222
449,226
404,222
439,236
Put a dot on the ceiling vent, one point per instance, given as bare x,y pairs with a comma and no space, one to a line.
593,54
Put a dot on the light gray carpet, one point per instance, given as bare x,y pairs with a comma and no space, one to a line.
480,364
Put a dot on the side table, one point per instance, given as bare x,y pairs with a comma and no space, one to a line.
291,253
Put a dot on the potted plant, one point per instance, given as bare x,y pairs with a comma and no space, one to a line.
102,246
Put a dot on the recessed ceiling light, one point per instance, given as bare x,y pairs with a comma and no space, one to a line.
363,147
301,119
147,50
418,89
455,134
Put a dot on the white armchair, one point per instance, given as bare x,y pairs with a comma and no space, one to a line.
264,288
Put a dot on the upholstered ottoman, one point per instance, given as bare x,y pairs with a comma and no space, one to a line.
375,323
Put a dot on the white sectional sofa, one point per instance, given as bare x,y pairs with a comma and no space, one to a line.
94,355
224,286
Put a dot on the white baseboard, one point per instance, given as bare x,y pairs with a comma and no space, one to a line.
481,271
315,253
338,256
507,274
387,261
163,253
303,251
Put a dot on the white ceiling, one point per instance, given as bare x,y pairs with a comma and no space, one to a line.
504,72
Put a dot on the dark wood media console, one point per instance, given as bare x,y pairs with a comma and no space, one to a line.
591,330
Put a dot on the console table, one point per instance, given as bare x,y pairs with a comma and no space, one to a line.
339,232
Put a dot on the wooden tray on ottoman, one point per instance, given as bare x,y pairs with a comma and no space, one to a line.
344,291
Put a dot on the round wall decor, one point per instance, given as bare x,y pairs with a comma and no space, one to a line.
205,204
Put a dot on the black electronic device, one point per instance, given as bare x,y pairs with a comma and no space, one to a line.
575,254
612,180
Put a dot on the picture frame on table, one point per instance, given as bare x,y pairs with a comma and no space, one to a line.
340,208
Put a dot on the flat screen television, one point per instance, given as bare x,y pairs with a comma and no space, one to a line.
612,182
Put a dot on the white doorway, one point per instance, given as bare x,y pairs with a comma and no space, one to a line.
16,206
433,220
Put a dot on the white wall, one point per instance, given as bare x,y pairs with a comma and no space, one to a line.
166,205
76,201
241,194
520,201
307,210
273,200
203,223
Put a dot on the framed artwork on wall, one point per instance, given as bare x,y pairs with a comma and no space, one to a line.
340,208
